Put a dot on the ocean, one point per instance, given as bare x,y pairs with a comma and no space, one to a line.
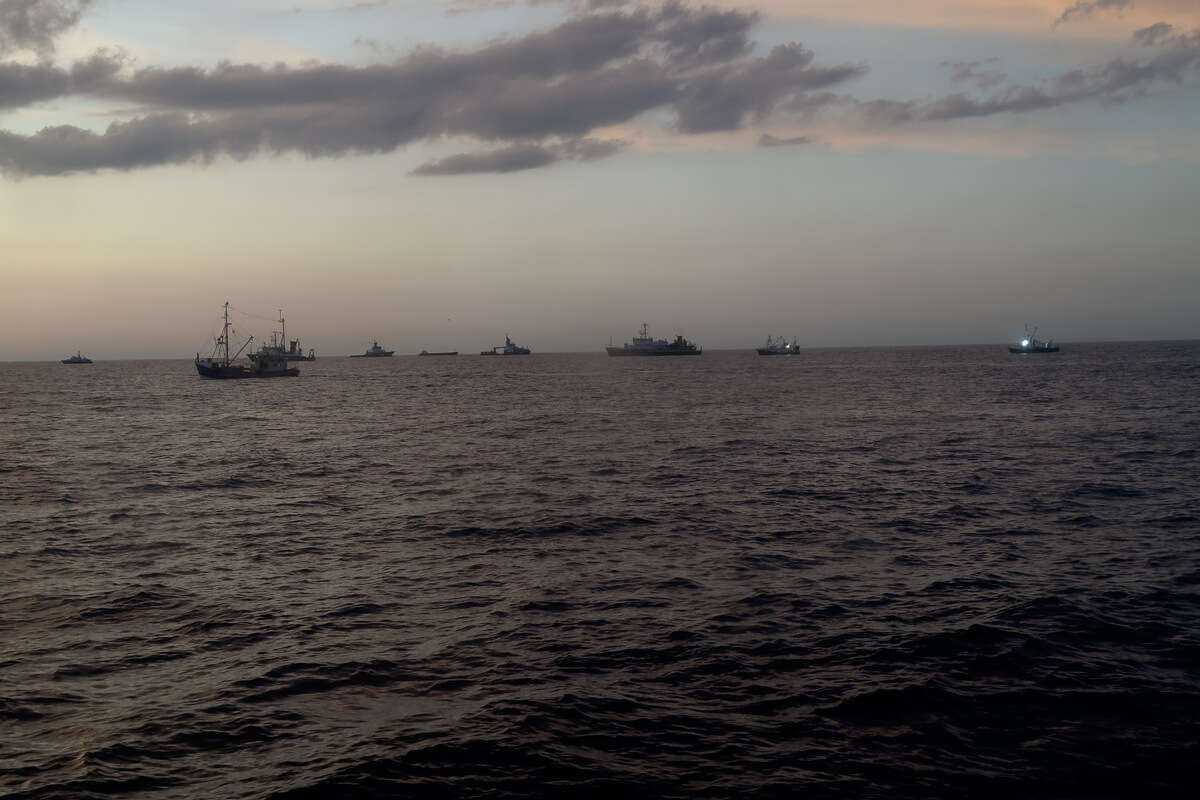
851,573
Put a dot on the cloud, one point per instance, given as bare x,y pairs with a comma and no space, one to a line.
1122,79
529,101
365,5
1153,34
722,100
520,157
1085,8
767,140
22,85
34,24
471,6
509,159
1012,99
1114,81
972,72
592,71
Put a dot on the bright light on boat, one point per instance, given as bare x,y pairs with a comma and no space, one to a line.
1024,343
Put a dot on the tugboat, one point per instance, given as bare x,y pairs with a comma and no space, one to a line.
778,347
262,365
509,349
1031,344
78,358
293,352
447,353
375,352
644,345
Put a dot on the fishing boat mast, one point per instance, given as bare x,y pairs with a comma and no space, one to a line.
225,333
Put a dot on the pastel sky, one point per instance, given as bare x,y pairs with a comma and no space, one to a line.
437,173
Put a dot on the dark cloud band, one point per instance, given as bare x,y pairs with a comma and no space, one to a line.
532,101
593,70
34,24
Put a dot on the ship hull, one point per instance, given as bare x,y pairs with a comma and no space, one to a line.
75,361
621,351
763,352
453,353
1031,350
216,372
372,355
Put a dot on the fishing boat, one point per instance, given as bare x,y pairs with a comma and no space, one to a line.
645,345
222,365
374,352
446,353
1031,344
778,347
508,349
78,358
293,351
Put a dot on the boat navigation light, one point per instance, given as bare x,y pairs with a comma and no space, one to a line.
1024,343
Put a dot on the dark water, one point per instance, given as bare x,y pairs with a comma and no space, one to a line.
938,572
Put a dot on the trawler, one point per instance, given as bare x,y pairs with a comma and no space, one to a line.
778,347
293,352
644,345
375,352
78,358
1031,344
444,353
262,365
509,349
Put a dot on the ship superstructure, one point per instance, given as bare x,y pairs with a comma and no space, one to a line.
1031,344
509,348
645,345
220,364
778,347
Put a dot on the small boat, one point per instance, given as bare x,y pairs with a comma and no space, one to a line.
1031,344
78,358
446,353
778,347
644,345
509,349
262,365
293,352
375,352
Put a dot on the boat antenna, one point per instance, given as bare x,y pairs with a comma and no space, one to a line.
245,344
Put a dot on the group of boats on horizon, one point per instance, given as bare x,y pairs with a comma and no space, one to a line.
271,359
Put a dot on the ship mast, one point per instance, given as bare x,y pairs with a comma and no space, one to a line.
225,333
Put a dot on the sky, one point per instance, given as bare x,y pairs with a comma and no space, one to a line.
439,173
